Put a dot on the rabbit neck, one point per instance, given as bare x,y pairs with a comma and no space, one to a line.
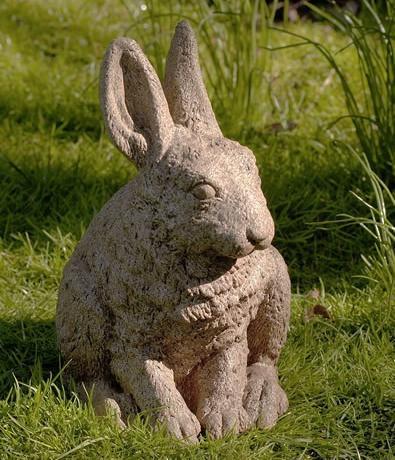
211,296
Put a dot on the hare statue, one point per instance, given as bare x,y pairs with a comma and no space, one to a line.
174,301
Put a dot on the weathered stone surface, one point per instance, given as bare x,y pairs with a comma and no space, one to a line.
175,301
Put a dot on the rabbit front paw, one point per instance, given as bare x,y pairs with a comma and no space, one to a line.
219,421
180,423
264,399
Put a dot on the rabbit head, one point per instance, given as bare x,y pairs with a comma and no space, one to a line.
206,188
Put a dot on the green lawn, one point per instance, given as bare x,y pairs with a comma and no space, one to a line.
57,168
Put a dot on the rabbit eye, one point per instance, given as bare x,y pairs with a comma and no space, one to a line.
204,191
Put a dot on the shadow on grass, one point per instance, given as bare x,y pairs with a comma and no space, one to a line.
28,352
45,194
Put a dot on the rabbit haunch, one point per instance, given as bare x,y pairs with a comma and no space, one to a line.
174,301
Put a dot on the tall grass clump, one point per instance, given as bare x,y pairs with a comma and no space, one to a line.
372,36
373,115
379,223
234,36
372,110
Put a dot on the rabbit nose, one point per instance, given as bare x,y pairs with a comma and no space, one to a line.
257,239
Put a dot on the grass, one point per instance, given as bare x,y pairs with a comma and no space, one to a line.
57,169
380,265
371,36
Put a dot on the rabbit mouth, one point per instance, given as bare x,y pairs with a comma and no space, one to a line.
226,257
246,251
238,252
229,253
249,248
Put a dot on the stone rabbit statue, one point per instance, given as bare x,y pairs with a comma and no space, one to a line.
174,301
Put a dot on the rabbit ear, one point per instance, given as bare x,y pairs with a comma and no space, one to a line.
184,88
134,106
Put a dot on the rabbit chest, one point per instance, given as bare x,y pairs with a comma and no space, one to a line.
184,317
214,314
